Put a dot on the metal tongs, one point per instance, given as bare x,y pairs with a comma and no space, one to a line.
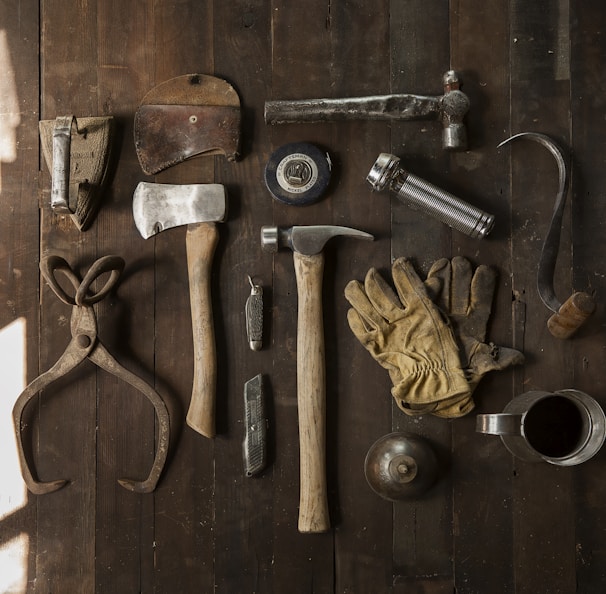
85,344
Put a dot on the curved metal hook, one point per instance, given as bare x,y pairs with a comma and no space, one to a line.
571,314
549,254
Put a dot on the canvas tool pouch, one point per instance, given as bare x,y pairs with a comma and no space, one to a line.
77,152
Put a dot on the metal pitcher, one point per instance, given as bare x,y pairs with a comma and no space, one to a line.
564,428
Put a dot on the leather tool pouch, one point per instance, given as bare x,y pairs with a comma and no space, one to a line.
185,117
169,134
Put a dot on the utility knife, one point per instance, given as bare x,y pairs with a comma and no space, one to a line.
255,419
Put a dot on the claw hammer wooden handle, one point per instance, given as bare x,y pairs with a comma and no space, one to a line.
201,242
311,394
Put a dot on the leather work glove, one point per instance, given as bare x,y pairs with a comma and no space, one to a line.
466,298
411,338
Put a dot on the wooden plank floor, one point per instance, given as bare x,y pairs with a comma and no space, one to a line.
492,523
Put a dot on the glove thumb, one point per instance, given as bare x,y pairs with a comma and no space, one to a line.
490,357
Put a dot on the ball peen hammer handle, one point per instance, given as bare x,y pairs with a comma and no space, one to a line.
311,394
201,242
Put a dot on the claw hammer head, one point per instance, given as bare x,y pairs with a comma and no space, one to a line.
306,240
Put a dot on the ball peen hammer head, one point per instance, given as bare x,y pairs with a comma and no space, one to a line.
307,240
454,105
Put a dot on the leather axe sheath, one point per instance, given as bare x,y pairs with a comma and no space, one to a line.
186,117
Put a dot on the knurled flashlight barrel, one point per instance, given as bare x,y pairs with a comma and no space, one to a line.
429,199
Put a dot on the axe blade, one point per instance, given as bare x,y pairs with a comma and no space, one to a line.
157,207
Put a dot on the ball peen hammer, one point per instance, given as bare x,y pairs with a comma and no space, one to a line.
157,207
307,243
450,108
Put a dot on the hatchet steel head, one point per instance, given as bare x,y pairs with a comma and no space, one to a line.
157,207
306,239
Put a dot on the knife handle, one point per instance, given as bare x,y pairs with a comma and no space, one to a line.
201,242
254,448
254,316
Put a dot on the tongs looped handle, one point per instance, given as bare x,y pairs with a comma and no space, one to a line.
50,265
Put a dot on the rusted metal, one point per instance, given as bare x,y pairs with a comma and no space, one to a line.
85,344
450,108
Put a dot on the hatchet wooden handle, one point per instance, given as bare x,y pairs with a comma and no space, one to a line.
311,394
201,241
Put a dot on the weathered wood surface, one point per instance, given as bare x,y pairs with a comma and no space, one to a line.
492,523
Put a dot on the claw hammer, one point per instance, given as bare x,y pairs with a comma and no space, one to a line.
307,243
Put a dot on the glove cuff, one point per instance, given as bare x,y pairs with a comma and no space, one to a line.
425,387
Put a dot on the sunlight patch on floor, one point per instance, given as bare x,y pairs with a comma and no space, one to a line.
13,493
10,115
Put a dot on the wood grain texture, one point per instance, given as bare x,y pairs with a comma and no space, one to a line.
422,529
540,101
244,551
482,489
19,285
201,241
67,451
491,522
306,560
587,228
311,394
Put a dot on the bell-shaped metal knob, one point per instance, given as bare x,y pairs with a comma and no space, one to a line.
400,466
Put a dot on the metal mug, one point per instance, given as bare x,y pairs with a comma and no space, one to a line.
564,428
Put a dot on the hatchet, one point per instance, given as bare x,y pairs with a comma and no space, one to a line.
157,207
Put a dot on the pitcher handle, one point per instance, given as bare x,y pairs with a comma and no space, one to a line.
499,424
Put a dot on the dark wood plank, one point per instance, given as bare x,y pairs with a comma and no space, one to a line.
358,413
422,527
491,521
124,540
244,512
543,553
184,502
67,444
19,290
587,213
423,585
481,466
302,561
